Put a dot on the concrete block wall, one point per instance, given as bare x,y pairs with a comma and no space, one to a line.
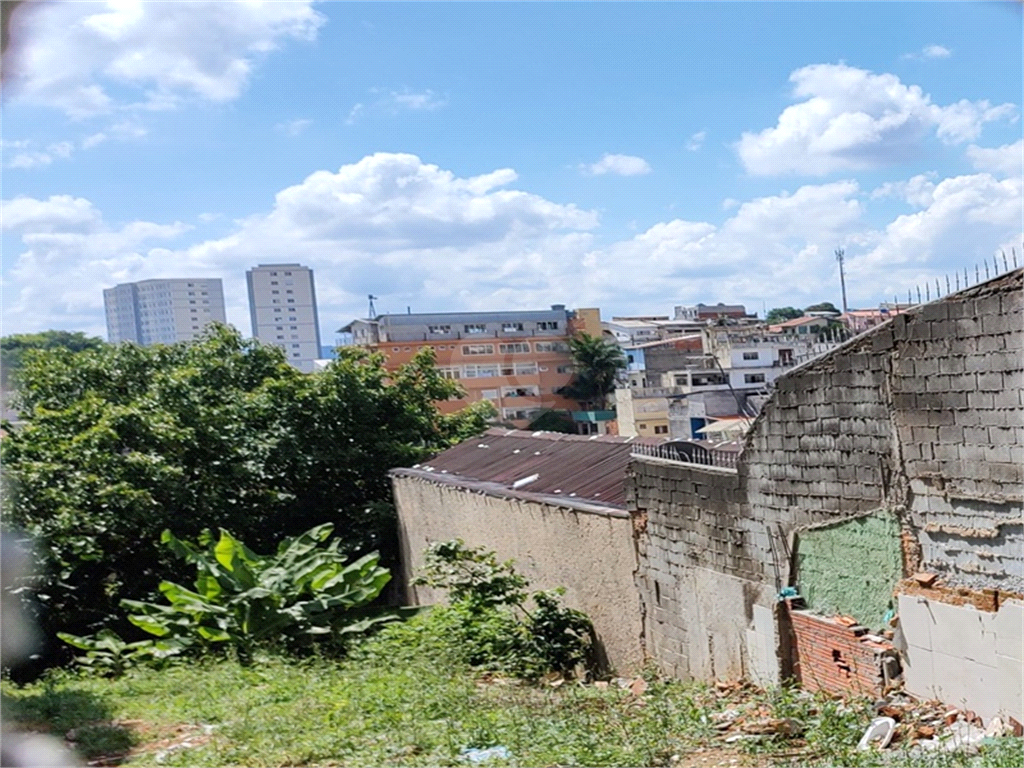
708,609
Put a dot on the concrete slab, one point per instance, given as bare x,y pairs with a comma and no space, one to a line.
916,620
965,684
959,631
1009,682
1008,626
917,672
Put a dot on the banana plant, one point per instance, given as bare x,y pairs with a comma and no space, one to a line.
304,591
106,650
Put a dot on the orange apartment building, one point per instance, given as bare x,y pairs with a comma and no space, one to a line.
518,359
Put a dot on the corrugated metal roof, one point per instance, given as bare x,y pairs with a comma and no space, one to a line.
572,466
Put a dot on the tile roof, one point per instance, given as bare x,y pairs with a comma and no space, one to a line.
566,466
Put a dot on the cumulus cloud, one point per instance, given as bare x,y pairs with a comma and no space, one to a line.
696,141
120,131
417,234
90,58
853,119
395,102
1007,160
620,165
67,237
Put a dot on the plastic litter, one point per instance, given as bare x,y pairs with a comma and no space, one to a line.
483,755
879,732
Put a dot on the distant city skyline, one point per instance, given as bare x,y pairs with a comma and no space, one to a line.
507,157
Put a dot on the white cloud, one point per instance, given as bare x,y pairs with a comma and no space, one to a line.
206,218
852,119
427,100
416,234
696,141
621,165
29,160
930,52
294,127
354,113
122,131
89,58
1007,160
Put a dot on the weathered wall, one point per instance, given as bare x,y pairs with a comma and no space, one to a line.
922,417
589,552
963,656
708,610
851,566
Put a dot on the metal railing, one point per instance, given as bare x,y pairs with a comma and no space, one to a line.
689,453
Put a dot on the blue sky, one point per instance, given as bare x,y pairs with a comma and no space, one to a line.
478,156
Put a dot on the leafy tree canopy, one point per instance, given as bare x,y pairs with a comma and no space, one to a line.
553,421
597,364
782,314
122,442
824,306
13,348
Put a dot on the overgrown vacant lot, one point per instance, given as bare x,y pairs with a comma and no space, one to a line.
401,700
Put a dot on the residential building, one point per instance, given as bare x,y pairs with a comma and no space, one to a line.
801,326
282,306
705,312
518,360
163,311
860,320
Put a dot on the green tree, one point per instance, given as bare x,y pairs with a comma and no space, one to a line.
14,348
782,314
122,442
551,420
824,306
597,363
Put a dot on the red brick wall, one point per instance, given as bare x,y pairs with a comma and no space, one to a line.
829,656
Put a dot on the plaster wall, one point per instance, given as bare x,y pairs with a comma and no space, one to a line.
588,553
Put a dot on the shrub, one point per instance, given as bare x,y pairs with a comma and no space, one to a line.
495,623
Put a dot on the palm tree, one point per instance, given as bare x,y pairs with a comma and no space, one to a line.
597,363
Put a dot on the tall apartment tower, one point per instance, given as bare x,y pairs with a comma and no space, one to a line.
163,311
282,303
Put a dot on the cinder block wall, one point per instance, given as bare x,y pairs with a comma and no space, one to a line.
923,416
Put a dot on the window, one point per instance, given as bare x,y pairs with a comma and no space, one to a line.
682,380
280,336
406,349
563,368
481,371
660,430
529,391
439,329
514,349
295,335
191,301
291,301
511,327
279,328
526,369
273,282
478,349
287,274
191,293
519,414
750,355
475,328
292,318
489,394
294,346
275,301
753,378
450,373
205,293
707,379
190,285
289,291
551,346
802,329
395,349
296,354
547,325
293,327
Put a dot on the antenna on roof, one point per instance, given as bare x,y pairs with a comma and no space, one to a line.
840,253
372,314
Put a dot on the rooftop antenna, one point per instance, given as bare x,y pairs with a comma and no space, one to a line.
373,309
840,253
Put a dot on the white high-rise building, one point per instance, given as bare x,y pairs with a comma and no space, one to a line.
163,311
282,303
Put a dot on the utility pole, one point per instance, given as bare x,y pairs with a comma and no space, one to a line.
840,253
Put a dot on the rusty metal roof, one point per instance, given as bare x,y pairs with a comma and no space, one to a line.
568,466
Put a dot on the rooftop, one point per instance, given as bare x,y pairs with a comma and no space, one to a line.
542,464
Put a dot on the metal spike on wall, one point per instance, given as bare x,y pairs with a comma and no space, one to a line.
1014,252
1006,267
986,270
927,292
958,281
977,274
910,299
919,294
947,283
